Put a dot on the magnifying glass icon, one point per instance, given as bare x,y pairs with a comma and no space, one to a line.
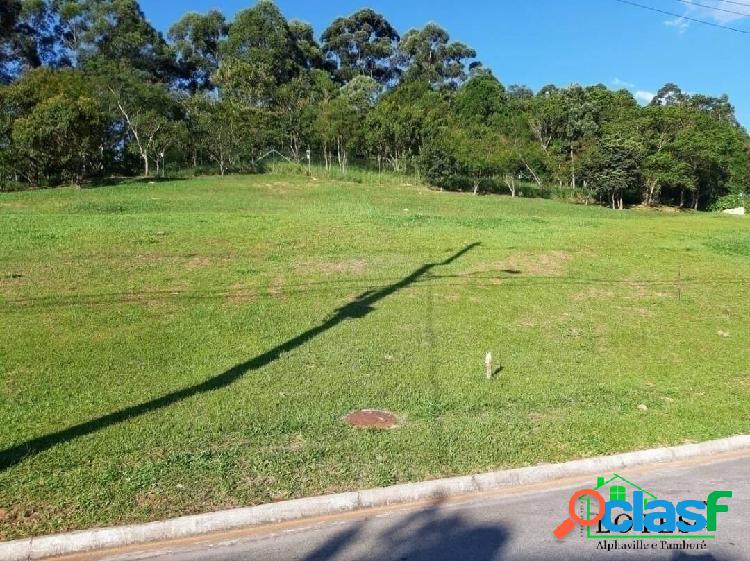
569,523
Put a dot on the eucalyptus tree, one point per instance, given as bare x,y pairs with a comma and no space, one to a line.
296,106
579,126
101,32
670,94
56,127
197,39
480,100
547,116
30,37
663,168
260,37
145,111
312,53
218,128
363,43
613,168
342,118
520,92
402,121
428,54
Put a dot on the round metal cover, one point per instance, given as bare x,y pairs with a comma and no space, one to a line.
371,418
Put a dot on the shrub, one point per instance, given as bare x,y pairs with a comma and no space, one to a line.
732,200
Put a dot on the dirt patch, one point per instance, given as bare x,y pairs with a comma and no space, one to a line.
239,295
152,500
371,419
197,262
297,442
164,308
18,514
277,288
278,187
12,279
594,293
536,417
657,208
350,266
548,264
629,291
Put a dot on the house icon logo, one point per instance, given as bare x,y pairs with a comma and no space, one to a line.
617,509
614,488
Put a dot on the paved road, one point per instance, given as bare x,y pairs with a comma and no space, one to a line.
512,525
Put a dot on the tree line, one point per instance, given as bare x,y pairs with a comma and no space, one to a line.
91,90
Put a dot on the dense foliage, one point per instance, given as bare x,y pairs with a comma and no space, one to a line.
91,90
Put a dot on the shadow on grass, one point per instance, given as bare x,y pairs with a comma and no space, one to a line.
356,309
113,181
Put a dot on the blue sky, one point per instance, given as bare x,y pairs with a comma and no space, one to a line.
536,42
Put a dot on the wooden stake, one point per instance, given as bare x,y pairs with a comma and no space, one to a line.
488,366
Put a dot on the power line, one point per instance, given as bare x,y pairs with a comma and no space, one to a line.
691,3
736,3
704,22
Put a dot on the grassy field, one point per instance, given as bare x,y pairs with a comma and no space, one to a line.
193,345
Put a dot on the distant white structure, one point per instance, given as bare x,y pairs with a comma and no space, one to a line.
740,210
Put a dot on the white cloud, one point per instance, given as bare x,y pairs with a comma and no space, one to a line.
641,96
722,12
681,24
732,11
644,96
622,84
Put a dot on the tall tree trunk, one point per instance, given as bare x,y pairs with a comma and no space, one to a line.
650,193
533,173
340,154
510,182
682,198
144,155
572,169
476,187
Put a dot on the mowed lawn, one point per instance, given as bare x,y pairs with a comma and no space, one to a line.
193,345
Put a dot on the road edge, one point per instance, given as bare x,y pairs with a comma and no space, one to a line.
187,526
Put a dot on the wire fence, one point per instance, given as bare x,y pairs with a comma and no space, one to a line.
504,281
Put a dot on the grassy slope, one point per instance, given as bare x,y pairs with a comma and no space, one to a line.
117,296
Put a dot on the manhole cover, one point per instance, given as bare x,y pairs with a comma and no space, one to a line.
371,418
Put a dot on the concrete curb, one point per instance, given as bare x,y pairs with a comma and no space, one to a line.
103,538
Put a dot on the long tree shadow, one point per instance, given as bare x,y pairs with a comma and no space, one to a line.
356,309
426,535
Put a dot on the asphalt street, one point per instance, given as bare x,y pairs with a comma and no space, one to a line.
513,524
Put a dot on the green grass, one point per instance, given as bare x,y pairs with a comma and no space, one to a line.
118,296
